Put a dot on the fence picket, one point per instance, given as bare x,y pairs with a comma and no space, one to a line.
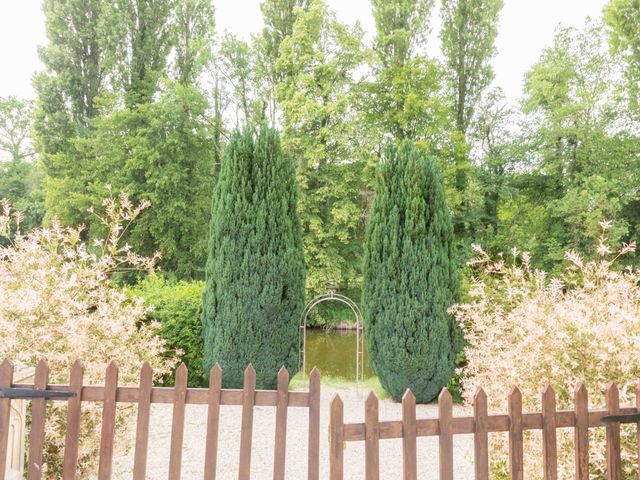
612,400
246,434
279,451
372,436
409,432
480,436
336,439
213,416
549,444
108,422
142,422
314,425
38,419
6,380
72,434
445,420
581,432
516,451
177,422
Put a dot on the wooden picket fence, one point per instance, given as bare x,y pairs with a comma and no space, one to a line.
144,395
581,419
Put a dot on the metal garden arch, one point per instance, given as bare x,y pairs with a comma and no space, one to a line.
302,341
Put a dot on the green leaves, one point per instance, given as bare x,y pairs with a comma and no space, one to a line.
254,292
410,279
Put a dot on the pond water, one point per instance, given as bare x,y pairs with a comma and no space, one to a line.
334,353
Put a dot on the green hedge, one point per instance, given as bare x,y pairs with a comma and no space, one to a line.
177,307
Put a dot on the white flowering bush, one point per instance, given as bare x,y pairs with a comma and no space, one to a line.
58,302
526,329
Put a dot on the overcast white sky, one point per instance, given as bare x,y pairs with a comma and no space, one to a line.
526,27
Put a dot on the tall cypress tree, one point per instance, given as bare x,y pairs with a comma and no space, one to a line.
255,276
410,278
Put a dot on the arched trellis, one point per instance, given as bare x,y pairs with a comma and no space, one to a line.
302,342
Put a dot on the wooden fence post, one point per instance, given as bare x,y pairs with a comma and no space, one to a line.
213,417
280,447
314,425
581,432
246,435
409,431
336,439
549,443
177,422
72,435
445,420
38,419
516,452
480,436
142,422
107,430
372,435
6,380
614,468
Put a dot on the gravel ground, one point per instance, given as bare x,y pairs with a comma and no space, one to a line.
296,465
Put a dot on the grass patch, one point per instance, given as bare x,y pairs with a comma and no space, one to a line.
301,382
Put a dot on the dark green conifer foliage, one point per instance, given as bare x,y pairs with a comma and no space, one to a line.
410,278
254,293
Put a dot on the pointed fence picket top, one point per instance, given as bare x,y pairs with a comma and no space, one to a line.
38,418
445,420
336,439
6,380
314,425
549,441
279,451
107,431
581,432
246,435
142,422
614,463
177,422
213,418
481,436
372,438
516,450
72,435
409,433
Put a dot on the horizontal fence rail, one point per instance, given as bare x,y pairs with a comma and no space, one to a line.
480,424
110,394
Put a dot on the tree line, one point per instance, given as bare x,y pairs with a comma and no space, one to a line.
142,96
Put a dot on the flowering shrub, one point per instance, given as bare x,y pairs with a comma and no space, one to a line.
526,329
59,303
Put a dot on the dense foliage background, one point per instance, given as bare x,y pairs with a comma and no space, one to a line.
144,95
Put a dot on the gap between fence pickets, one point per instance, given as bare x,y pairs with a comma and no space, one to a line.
144,395
515,422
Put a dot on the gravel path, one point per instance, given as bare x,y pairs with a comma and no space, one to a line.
296,465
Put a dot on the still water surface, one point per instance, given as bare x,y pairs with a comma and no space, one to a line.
334,353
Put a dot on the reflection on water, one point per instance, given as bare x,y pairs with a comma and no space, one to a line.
334,353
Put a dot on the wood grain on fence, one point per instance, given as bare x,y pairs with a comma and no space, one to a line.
142,423
72,435
38,416
107,431
336,439
213,418
313,462
177,422
6,380
279,450
481,436
480,424
145,394
409,432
